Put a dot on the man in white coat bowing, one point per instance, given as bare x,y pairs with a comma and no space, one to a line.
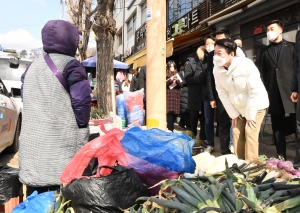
243,95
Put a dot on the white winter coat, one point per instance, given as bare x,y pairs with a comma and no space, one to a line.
240,88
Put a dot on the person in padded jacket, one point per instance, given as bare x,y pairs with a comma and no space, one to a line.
54,120
243,96
195,76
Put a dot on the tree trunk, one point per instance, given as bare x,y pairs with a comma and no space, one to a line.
105,29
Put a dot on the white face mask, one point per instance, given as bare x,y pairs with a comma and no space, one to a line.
210,48
272,35
219,61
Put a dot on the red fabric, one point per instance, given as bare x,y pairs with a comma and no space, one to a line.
173,100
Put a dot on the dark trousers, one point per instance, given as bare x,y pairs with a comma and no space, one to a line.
30,189
224,128
171,117
185,120
279,124
195,117
194,121
209,123
202,124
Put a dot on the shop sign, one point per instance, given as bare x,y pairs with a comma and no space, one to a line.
140,38
186,24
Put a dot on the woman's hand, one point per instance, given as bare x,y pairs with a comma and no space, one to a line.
251,124
235,120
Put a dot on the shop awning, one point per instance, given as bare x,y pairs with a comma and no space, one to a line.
139,59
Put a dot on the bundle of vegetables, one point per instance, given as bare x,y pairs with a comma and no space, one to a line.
225,192
284,165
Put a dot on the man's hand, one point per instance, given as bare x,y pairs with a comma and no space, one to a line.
213,104
251,124
235,120
294,97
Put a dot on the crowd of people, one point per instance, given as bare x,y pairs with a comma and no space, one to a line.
218,79
219,83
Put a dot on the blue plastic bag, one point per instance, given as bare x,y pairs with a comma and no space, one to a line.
172,151
40,203
121,106
137,116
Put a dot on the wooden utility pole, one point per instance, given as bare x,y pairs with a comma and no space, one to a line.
156,64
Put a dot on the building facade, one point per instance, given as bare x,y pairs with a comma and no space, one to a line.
129,15
190,21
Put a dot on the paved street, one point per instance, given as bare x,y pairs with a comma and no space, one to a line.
266,147
10,159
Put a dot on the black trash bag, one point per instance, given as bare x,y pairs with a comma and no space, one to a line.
92,136
91,169
106,194
10,186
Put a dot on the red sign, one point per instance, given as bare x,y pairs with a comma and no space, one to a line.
258,30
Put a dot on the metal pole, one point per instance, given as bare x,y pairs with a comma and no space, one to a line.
156,64
123,32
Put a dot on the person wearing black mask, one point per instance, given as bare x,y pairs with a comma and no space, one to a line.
276,71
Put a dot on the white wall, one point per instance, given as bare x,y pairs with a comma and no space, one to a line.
134,9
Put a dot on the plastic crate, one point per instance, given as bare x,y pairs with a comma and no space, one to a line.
11,204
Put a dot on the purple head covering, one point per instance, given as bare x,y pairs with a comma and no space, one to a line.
60,36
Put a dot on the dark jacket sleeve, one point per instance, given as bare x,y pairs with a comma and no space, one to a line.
296,65
192,75
80,91
142,78
263,69
210,79
134,85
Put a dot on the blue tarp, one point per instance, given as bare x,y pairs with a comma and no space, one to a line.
91,62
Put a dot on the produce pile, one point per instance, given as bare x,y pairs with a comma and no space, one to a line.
257,186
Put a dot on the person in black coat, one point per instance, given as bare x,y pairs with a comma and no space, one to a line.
134,85
194,77
215,102
142,83
295,95
208,110
276,72
185,115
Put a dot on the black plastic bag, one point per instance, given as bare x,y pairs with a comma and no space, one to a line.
91,168
106,194
10,186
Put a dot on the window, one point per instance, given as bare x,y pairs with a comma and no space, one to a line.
143,13
118,7
131,27
120,39
178,8
134,24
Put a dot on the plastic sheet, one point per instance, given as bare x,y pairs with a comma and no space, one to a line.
165,149
149,173
40,203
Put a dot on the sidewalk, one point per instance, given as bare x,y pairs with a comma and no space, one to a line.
266,147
